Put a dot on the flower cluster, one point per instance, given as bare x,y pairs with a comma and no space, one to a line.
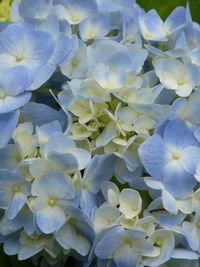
108,175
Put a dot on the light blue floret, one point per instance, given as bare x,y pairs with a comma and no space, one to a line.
52,192
173,159
14,190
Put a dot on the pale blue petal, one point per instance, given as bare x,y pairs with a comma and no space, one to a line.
65,161
78,9
67,237
83,245
13,80
7,180
100,168
178,182
166,248
82,156
39,44
153,183
126,256
53,184
82,222
8,122
33,9
42,75
12,245
169,202
153,25
162,216
114,5
191,156
176,20
95,27
174,130
10,157
40,114
48,129
183,253
107,135
50,219
109,244
26,252
89,201
25,219
11,103
59,143
16,205
152,154
64,47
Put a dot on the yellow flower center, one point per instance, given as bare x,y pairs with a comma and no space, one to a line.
74,62
52,202
176,155
16,188
75,19
86,184
198,224
2,95
148,35
19,58
180,82
92,34
144,225
135,207
159,242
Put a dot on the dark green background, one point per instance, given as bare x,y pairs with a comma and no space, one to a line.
164,7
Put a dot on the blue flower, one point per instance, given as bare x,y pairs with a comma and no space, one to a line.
77,233
95,28
75,11
14,190
172,156
153,28
98,170
163,242
177,76
191,231
37,51
125,246
13,83
52,191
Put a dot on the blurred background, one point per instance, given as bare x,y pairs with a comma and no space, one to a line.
164,8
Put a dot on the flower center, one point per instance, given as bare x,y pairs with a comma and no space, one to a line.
159,242
16,188
176,155
52,202
144,225
135,207
75,19
92,34
74,62
19,58
2,95
148,35
180,82
86,184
